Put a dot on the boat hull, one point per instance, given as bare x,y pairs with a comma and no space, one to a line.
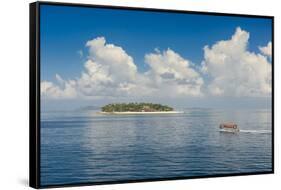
229,130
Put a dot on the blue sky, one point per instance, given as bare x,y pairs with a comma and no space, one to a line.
235,66
65,30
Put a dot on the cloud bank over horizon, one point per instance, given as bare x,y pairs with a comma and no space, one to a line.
228,69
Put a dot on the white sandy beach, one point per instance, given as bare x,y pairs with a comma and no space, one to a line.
141,113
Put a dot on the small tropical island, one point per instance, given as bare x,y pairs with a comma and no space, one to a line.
136,108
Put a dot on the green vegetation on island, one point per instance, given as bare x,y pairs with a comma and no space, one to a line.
136,107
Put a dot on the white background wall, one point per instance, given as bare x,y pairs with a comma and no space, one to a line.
14,48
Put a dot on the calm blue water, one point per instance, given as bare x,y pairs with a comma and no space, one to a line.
79,147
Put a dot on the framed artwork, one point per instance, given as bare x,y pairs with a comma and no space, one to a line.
122,94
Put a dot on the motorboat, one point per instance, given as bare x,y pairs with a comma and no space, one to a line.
229,127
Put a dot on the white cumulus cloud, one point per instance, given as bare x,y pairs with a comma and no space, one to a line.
235,71
267,50
228,69
65,89
109,71
172,74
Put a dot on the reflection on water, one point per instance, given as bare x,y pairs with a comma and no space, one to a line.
87,147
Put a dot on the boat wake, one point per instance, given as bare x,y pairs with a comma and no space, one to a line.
256,131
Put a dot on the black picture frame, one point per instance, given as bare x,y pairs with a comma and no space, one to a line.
34,91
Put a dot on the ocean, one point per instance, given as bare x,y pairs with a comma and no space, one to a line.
83,146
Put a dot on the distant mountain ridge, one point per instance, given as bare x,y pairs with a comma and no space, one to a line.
88,108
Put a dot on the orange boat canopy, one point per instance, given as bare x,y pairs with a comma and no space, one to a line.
228,125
